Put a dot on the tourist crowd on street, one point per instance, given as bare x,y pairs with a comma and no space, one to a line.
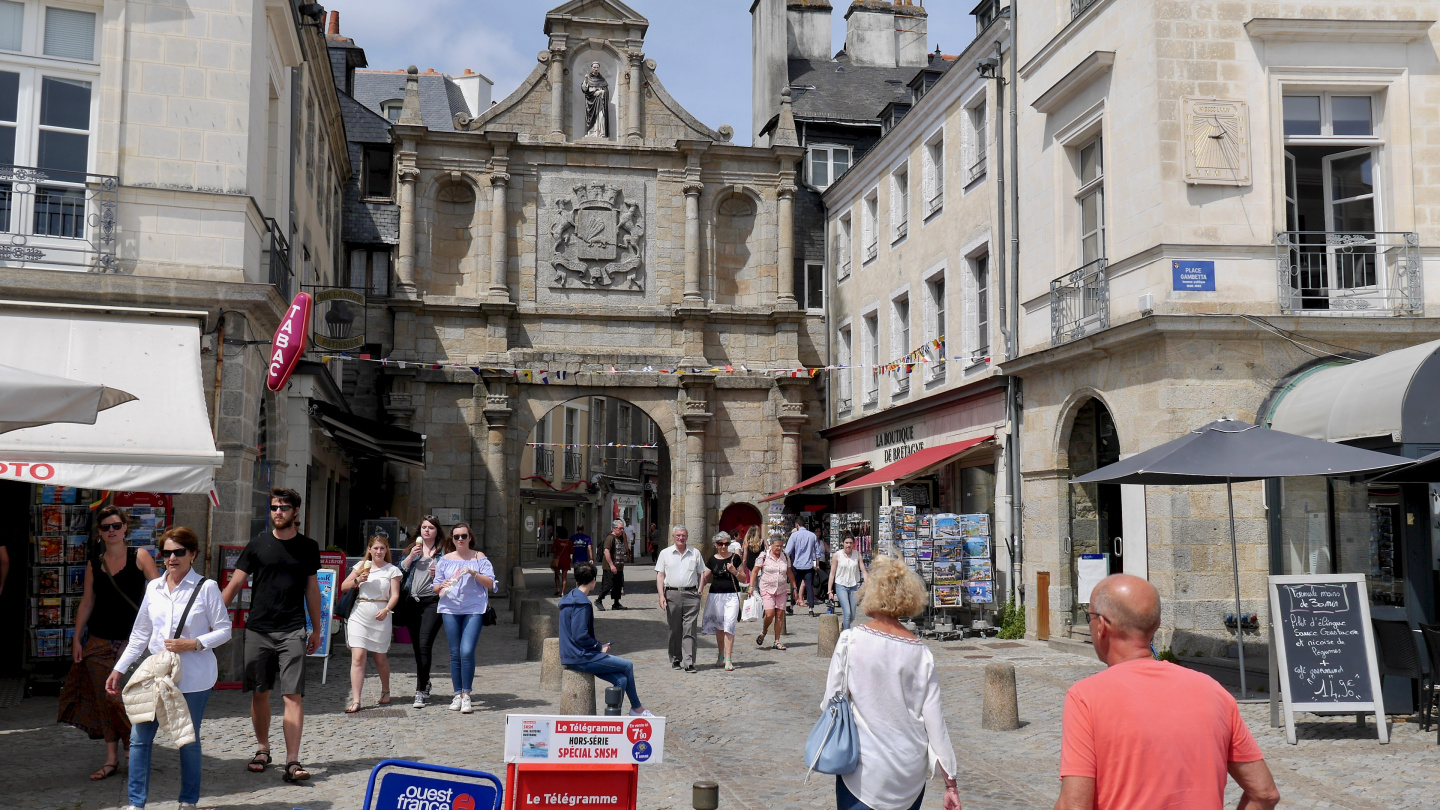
169,619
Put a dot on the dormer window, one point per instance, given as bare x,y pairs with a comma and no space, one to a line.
985,13
391,109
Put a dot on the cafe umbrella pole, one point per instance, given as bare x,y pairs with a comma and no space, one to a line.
1235,568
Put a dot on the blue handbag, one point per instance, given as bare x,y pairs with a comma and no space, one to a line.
834,743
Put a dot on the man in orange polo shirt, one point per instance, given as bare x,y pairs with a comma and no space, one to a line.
1150,734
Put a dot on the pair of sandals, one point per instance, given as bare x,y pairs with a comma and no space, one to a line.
355,704
294,771
760,642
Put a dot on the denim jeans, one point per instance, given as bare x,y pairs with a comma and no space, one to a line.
462,631
615,670
142,739
846,595
845,800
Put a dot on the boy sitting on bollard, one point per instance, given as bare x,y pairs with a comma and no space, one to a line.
578,648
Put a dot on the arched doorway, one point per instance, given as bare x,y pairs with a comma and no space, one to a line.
737,518
588,461
1095,509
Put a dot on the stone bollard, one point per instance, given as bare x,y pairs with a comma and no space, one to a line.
577,692
829,634
550,667
517,596
542,626
528,609
705,796
1001,709
517,578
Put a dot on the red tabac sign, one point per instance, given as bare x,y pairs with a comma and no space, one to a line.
289,343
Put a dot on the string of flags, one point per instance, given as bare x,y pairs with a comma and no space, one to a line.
577,446
931,351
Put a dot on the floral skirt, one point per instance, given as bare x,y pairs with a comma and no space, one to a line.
84,703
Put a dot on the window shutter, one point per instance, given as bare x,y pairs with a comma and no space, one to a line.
12,20
969,341
69,34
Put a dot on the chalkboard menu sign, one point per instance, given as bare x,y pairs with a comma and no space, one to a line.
1325,647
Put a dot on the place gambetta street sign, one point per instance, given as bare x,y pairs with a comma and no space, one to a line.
562,761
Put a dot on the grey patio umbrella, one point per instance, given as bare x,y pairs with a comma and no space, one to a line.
29,399
1423,470
1228,451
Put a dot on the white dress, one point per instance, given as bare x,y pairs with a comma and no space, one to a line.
361,629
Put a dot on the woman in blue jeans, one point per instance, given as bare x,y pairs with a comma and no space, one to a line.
206,626
847,570
464,579
581,652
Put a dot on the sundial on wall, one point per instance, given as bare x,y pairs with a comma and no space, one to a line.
1217,142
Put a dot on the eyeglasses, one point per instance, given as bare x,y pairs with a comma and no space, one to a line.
284,507
111,527
1091,616
174,552
460,536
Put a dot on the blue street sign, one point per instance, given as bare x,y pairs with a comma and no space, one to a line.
397,784
1193,275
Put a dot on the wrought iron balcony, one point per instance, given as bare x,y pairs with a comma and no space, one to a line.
628,467
843,405
59,219
845,267
544,462
1079,303
977,169
277,259
935,203
902,229
900,385
1335,273
573,466
872,395
935,371
1077,7
871,251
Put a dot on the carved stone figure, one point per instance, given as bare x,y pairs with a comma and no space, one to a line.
597,103
598,239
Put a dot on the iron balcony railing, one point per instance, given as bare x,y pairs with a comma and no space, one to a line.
977,169
573,465
544,462
935,202
872,393
1357,273
935,371
1079,303
845,267
871,251
842,405
902,229
61,219
1077,7
901,384
277,259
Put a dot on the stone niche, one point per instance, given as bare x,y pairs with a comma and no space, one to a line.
594,238
614,75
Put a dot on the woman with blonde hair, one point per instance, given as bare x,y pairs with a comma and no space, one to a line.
754,546
895,695
370,625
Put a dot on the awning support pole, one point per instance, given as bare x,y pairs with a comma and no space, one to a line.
1235,567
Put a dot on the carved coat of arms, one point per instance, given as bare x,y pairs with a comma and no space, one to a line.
597,239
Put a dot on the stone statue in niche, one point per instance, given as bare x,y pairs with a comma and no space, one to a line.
597,103
598,239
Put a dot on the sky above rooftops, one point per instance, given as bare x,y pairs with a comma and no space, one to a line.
702,46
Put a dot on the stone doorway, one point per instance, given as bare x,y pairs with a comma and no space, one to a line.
1095,512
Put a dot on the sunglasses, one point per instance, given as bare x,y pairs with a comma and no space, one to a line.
460,536
174,552
111,527
284,507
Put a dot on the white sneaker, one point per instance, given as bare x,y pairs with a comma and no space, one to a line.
642,713
465,707
455,703
420,698
184,806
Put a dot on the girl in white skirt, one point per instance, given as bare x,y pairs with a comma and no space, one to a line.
369,627
724,573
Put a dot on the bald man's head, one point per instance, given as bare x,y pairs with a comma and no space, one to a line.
1130,603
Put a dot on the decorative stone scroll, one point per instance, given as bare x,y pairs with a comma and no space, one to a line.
597,239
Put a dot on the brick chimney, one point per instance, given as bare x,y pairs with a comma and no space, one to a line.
334,27
911,34
870,33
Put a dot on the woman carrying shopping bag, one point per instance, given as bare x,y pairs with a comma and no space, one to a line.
772,572
182,614
723,574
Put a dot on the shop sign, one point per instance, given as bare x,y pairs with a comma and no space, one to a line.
589,740
336,311
326,579
1191,275
288,345
552,787
403,785
897,443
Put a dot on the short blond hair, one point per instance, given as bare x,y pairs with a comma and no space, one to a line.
892,589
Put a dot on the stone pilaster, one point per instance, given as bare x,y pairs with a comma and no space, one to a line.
634,133
499,221
792,418
696,413
692,242
497,500
785,242
405,262
556,57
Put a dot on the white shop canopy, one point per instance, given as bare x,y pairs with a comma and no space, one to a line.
1392,396
161,442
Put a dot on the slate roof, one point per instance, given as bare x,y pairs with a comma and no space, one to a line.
440,98
835,90
362,124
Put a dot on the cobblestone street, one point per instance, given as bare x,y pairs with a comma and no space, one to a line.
744,730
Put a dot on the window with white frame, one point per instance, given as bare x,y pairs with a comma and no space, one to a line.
900,203
847,374
826,163
934,177
935,325
1090,198
870,368
844,236
978,142
392,108
980,284
810,286
900,341
870,225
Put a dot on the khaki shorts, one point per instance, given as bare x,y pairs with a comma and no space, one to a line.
275,659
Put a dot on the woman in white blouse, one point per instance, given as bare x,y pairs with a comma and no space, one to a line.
847,571
207,626
369,627
895,698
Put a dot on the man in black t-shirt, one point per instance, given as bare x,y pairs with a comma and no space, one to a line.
280,566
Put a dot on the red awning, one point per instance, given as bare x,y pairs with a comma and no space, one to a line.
819,479
913,465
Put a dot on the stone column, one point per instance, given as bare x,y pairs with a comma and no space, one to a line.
785,243
497,499
697,416
499,235
556,56
692,243
405,262
792,419
632,104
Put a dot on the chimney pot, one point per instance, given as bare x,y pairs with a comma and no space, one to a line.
334,27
